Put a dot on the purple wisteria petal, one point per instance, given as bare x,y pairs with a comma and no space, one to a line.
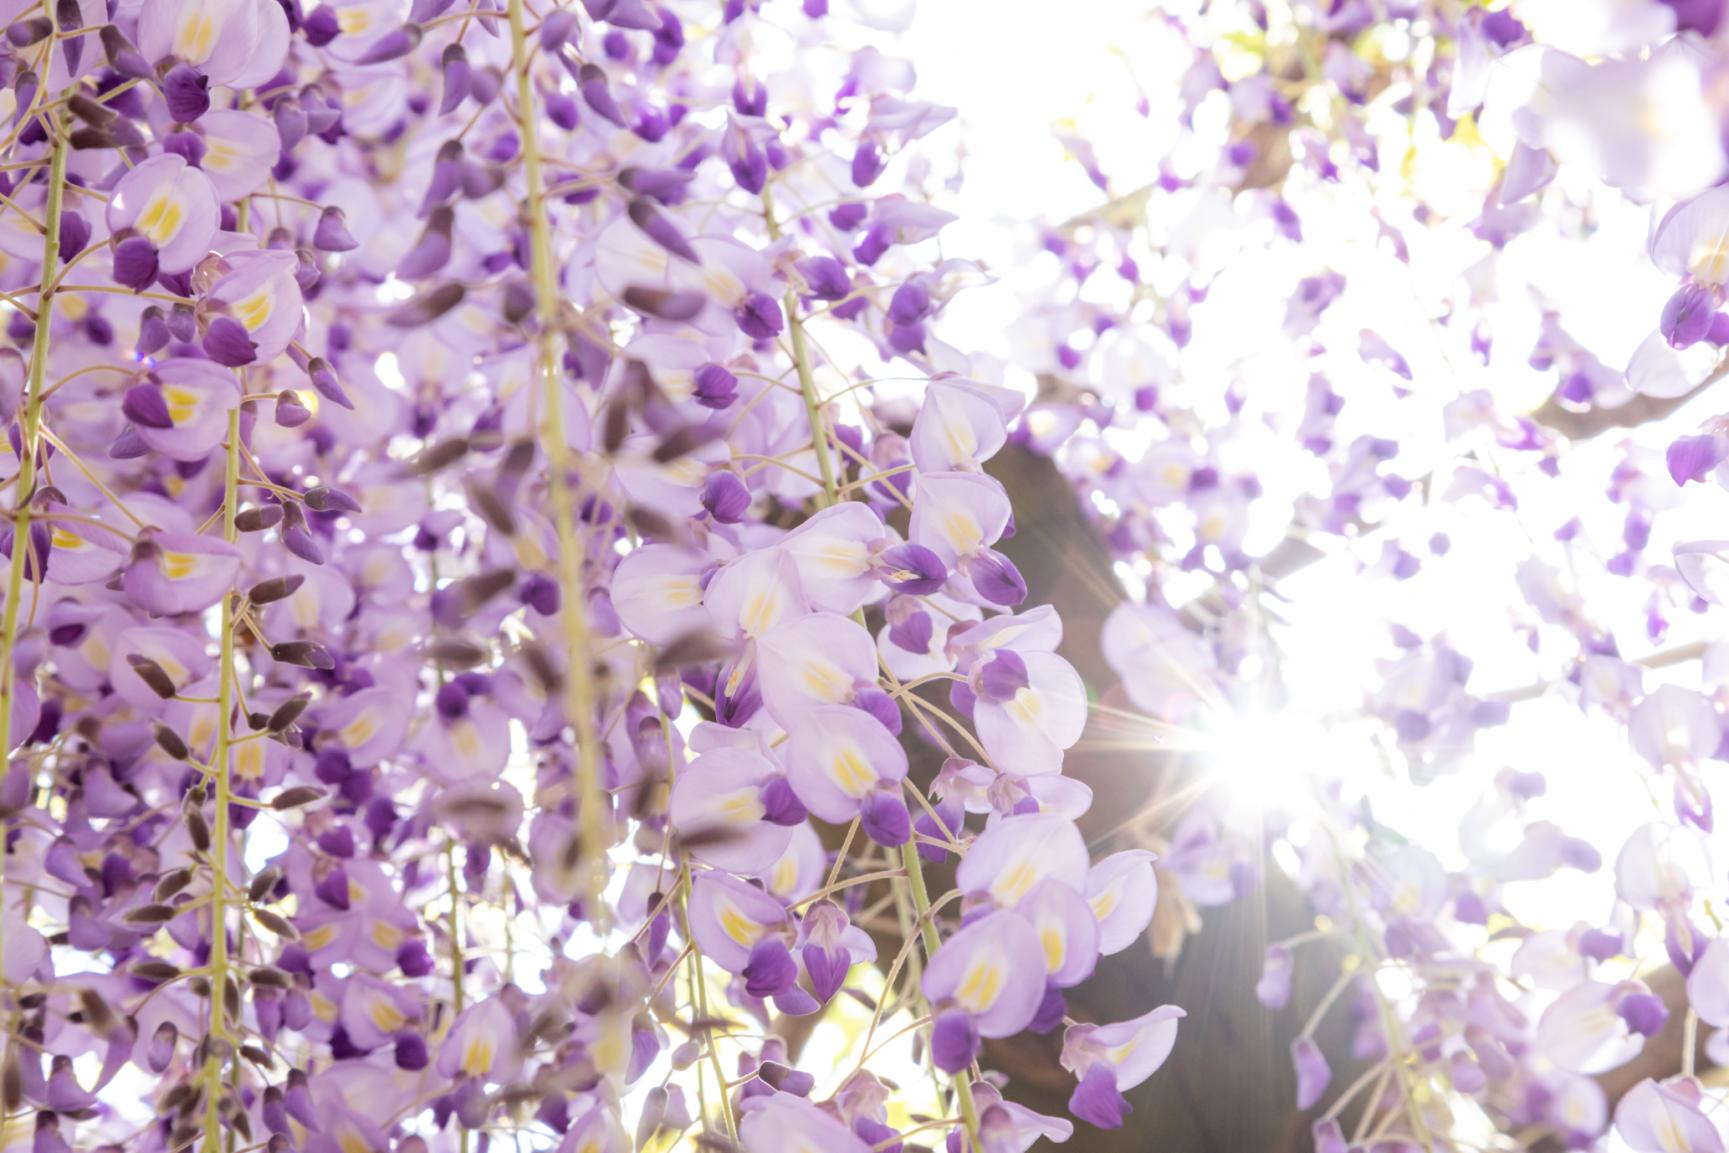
1016,854
837,757
1067,931
197,396
784,1123
660,593
1313,1073
1123,891
171,205
239,44
1029,730
990,970
171,573
262,295
728,918
718,807
483,1043
1661,1116
819,659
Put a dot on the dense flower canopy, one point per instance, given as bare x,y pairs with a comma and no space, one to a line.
527,633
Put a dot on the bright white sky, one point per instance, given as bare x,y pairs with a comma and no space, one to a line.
1026,69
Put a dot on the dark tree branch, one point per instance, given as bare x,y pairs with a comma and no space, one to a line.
1641,410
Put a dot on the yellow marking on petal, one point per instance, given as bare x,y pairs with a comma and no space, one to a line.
177,566
360,730
218,157
785,875
739,927
254,310
387,1016
202,729
1105,903
304,610
743,807
680,592
851,772
825,681
353,1142
611,1050
688,472
762,610
961,529
983,981
195,37
1121,1053
385,935
529,554
465,738
161,218
323,1007
477,1057
736,678
1026,706
249,760
843,558
1710,262
354,21
958,434
721,284
320,937
66,540
1011,886
182,403
1056,948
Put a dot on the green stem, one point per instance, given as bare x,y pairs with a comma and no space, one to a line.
700,989
219,827
456,961
825,465
806,377
579,674
25,489
812,402
928,931
1397,1047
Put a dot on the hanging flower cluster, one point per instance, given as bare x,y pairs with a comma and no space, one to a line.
474,608
509,633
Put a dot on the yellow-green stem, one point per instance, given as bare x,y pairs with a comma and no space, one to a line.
812,403
1397,1047
219,827
700,987
24,490
806,377
456,960
928,930
825,465
573,607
